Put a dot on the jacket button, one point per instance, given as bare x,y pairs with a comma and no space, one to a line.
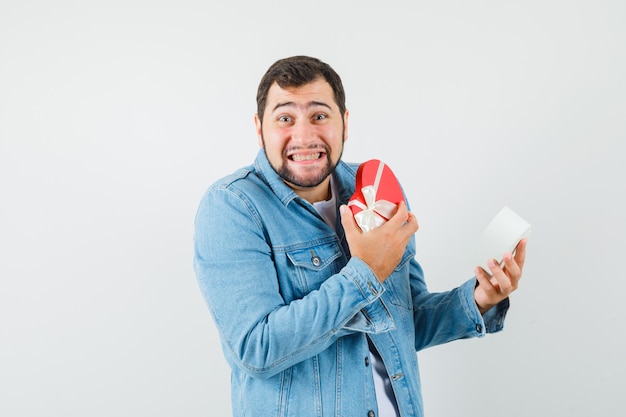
367,361
316,260
479,328
371,413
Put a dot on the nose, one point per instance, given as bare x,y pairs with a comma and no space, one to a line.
303,132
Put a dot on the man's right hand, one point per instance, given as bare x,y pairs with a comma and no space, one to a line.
380,248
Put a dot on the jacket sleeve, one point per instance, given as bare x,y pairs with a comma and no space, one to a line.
262,334
446,316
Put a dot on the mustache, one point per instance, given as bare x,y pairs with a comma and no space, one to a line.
313,147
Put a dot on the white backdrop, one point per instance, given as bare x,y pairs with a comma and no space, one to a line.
116,115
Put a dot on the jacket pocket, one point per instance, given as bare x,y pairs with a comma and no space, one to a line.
313,265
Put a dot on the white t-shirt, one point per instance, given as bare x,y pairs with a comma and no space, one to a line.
328,208
386,399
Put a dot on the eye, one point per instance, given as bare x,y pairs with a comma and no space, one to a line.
284,119
319,116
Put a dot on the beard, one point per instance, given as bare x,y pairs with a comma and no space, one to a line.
291,177
313,179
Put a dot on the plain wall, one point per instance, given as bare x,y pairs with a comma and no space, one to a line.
116,115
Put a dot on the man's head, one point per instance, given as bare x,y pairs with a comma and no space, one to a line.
302,123
295,72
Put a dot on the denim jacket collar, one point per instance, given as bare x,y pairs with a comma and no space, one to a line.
344,171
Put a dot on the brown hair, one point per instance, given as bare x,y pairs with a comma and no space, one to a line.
296,71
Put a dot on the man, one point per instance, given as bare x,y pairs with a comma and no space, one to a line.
316,317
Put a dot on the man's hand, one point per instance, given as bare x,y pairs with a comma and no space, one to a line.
380,248
503,280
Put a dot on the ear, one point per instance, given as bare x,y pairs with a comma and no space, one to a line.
259,130
345,126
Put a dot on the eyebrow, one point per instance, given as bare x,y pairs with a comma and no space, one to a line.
308,105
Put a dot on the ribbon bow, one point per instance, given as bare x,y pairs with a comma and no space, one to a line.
374,213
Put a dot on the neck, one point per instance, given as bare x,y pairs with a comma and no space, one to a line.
321,192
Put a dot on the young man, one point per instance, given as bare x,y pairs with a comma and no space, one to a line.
316,317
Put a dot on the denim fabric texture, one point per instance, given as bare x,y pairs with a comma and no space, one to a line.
294,310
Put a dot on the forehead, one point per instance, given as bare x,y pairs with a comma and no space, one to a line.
317,91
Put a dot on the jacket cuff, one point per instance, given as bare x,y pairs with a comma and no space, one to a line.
492,320
374,317
494,317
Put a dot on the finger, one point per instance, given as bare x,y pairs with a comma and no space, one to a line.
520,253
506,284
348,221
403,220
400,216
350,226
484,279
512,268
411,225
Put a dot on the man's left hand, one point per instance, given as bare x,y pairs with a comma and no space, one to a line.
503,280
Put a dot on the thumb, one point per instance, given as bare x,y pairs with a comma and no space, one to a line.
348,222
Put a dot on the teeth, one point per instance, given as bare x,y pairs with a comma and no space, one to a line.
307,157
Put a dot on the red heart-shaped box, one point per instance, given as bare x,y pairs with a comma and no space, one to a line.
376,196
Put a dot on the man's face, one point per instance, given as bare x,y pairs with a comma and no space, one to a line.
303,134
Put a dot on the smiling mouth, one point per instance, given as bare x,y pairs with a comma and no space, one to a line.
298,157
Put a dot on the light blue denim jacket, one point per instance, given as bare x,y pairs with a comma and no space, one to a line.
293,309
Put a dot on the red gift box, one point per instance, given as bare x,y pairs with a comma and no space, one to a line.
377,194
